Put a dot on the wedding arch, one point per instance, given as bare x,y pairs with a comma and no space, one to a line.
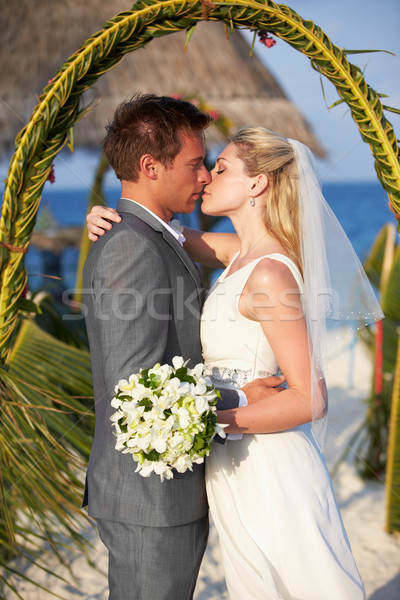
58,110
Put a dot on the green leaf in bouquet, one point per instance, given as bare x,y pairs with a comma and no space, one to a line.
154,381
198,443
216,392
146,402
181,373
144,376
121,395
153,455
210,423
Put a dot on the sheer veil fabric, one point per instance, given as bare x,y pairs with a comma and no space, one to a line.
337,292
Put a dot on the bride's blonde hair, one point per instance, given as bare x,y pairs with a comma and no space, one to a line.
263,151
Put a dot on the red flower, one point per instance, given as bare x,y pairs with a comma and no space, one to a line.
214,114
176,96
52,175
266,39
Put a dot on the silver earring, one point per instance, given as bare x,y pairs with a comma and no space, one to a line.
252,201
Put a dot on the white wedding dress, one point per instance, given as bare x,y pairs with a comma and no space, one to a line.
270,495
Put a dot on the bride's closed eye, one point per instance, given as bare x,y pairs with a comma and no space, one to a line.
220,171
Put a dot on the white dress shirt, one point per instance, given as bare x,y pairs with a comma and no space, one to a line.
178,235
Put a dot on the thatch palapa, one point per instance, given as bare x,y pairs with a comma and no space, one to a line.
38,37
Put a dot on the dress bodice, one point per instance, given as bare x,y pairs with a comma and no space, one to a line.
235,349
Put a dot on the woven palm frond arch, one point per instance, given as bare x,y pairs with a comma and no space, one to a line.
58,110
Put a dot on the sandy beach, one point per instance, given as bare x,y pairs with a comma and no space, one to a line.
362,505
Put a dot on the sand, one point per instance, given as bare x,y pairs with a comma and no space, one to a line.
362,505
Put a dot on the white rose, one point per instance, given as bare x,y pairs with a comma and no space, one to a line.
178,362
219,429
119,444
145,469
133,379
201,404
184,388
116,403
160,445
182,416
182,463
171,390
176,440
139,392
197,371
142,442
116,416
121,383
199,389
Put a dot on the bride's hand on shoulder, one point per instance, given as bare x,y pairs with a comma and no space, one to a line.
99,220
261,388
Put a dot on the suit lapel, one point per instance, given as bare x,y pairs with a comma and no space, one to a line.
125,205
183,255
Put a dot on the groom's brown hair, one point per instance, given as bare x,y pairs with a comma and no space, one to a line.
150,124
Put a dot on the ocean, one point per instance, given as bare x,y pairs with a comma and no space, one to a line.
362,209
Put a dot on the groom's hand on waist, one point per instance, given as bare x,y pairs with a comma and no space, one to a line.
262,388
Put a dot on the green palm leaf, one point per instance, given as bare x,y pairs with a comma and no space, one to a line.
390,299
96,197
45,443
380,258
382,267
393,460
391,308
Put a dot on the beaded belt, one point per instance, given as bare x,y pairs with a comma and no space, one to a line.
238,377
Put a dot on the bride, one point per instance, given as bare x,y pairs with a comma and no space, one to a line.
289,269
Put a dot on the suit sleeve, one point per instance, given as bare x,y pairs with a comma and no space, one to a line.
229,399
132,298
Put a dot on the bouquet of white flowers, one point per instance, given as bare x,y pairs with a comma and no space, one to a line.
166,418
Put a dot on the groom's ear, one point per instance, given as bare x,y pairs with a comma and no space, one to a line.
149,166
260,184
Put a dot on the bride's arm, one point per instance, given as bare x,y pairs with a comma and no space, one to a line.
283,324
208,248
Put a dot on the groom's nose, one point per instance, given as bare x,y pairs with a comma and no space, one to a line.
204,175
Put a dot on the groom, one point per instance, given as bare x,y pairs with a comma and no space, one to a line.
144,298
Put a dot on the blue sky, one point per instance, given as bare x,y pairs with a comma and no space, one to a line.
352,24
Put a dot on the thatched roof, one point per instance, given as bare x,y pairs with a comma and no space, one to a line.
38,36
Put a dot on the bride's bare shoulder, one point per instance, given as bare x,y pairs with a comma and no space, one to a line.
271,274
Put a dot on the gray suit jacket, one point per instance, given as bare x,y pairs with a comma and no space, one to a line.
143,299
